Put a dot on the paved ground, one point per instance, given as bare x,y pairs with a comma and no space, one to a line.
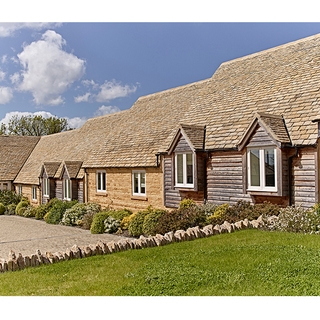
26,235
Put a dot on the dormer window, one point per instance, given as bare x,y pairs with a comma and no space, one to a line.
262,169
184,170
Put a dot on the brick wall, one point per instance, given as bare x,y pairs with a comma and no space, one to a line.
119,189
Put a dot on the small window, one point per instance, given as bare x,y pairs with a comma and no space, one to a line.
66,189
19,189
139,183
184,170
262,173
101,181
34,193
45,187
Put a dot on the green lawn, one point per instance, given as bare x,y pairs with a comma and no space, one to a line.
248,262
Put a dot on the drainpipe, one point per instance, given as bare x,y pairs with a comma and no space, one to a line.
86,186
205,167
290,174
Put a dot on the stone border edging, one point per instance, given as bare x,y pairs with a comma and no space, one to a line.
18,263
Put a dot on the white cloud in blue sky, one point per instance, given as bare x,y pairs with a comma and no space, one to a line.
103,110
9,29
112,89
48,70
5,95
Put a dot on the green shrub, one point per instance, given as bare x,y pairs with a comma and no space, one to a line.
8,197
98,222
135,226
57,211
87,220
125,221
21,211
186,203
29,211
11,209
22,204
218,215
2,208
180,219
111,225
120,214
151,220
40,212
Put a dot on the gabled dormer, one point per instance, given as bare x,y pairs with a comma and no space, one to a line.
262,146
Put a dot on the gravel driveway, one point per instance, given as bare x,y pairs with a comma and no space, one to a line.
25,236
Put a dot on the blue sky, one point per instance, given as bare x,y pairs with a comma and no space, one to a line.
80,70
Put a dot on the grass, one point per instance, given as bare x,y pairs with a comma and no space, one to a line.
246,263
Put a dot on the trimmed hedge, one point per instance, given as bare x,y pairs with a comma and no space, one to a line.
135,227
2,209
151,220
22,204
57,211
98,222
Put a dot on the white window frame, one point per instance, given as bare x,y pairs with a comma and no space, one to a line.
262,186
67,189
19,189
34,193
139,193
46,187
100,187
184,184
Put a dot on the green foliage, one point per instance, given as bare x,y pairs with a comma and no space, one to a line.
186,203
219,214
22,204
297,219
29,211
180,219
125,221
111,225
151,220
11,209
58,209
8,197
35,125
40,212
2,208
135,226
97,225
120,214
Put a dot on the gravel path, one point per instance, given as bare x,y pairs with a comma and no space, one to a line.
25,236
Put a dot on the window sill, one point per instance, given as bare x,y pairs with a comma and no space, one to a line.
184,188
101,194
141,198
263,192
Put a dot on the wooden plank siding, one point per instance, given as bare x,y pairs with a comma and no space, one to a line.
182,145
260,138
304,177
225,178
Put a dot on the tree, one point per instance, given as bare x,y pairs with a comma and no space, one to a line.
35,125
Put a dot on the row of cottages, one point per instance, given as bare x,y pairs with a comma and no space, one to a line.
250,132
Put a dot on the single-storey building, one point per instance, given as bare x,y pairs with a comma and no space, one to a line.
250,132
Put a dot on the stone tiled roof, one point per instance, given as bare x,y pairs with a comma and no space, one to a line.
51,168
14,151
283,81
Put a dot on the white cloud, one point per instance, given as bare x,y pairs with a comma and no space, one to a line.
103,110
48,70
5,95
15,60
75,122
4,58
112,90
83,98
88,83
8,29
15,78
2,75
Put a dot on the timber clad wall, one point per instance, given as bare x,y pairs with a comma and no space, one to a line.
304,177
260,138
224,178
119,189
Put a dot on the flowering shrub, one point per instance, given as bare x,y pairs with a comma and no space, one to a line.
297,219
218,214
120,214
74,215
57,211
29,212
111,225
125,221
186,203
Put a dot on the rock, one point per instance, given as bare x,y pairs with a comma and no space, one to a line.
113,247
56,257
159,240
143,241
34,261
38,253
50,257
216,229
69,254
103,247
206,232
93,249
246,223
12,265
27,261
260,219
169,237
197,232
82,252
12,255
255,224
130,243
239,225
65,256
4,266
20,261
177,236
228,226
191,234
76,252
184,235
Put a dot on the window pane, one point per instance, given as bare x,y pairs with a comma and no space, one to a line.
180,168
189,168
136,182
103,181
269,167
255,168
69,188
99,180
143,182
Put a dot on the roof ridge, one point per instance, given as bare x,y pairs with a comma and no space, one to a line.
272,49
173,89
